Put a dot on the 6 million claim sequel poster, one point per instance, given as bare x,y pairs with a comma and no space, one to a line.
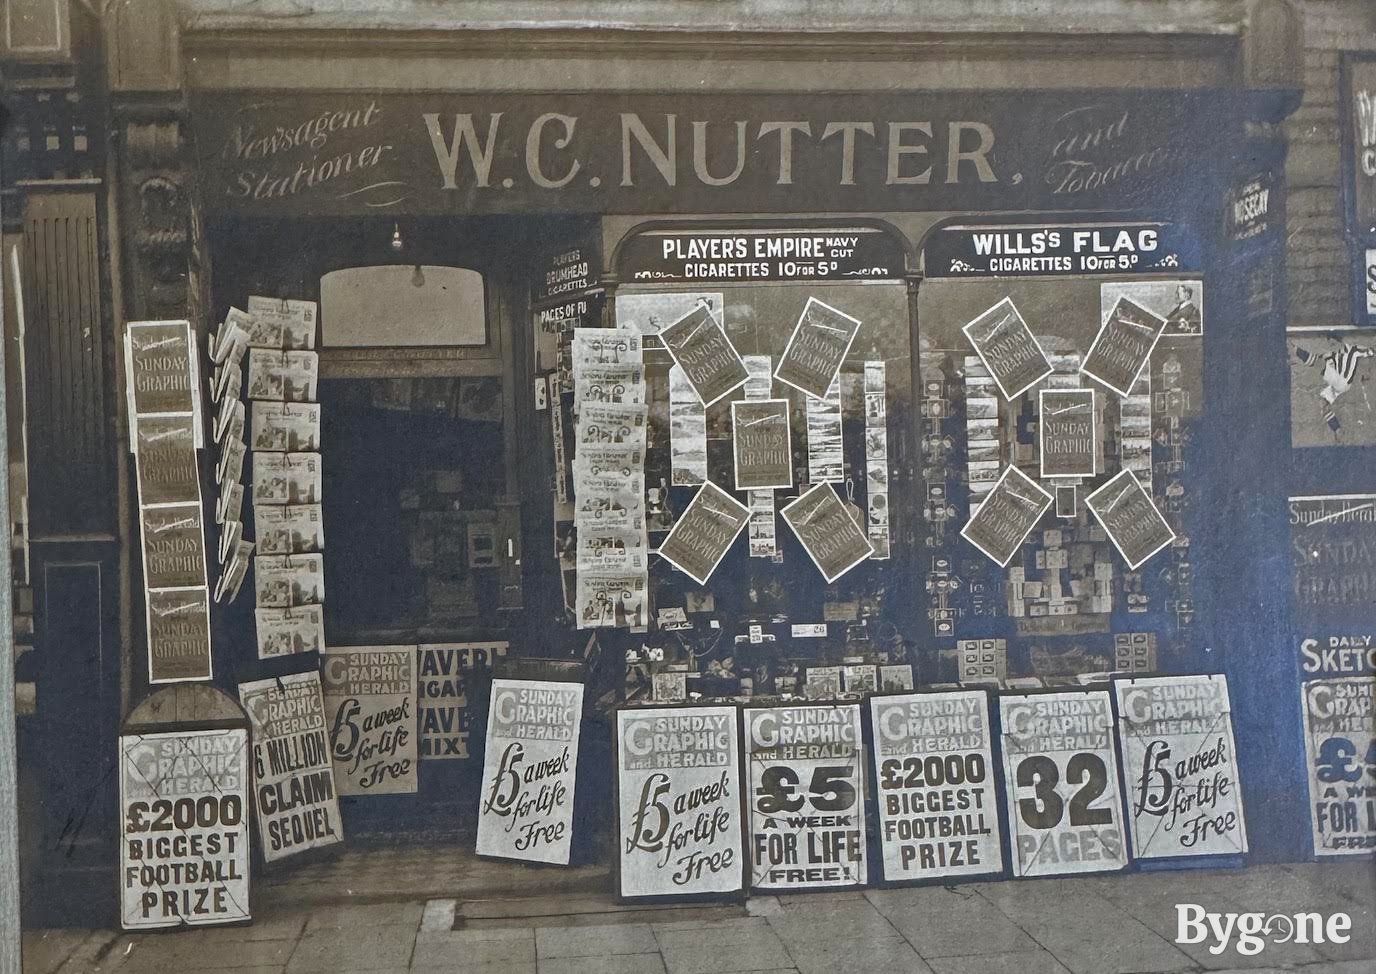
1180,767
184,850
525,810
1061,776
934,771
679,802
807,785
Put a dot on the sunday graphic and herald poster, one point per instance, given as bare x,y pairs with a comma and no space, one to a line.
1340,754
370,703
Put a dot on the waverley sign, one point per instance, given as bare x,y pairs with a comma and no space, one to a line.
355,153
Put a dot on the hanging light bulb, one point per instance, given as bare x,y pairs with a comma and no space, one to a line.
396,237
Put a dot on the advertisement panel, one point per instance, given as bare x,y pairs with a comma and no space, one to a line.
934,776
805,768
183,799
1180,767
442,695
525,809
679,802
370,694
293,776
1061,780
1340,752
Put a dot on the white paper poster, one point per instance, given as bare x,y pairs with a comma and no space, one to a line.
934,775
525,809
679,808
806,771
1180,767
370,701
1061,777
1340,751
184,857
293,777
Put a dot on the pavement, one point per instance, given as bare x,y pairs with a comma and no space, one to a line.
564,922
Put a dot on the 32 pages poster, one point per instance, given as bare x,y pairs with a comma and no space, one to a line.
1180,767
370,694
525,808
1061,779
679,809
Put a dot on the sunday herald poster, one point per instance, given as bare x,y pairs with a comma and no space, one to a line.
293,775
1340,754
934,778
184,856
1180,767
679,801
1061,782
370,703
806,773
525,807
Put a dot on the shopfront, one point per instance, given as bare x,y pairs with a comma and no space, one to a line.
787,432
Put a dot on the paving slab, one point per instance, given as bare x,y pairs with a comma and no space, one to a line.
597,941
614,964
1021,962
353,915
374,948
892,955
836,921
456,951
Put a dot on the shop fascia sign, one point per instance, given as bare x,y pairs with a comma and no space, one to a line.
636,153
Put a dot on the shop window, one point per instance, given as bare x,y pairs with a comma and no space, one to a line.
400,305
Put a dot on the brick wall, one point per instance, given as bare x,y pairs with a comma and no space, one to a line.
1318,259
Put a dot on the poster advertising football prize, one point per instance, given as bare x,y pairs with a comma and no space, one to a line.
1061,778
805,770
1340,752
293,774
1180,767
370,694
184,856
934,775
679,802
442,694
525,808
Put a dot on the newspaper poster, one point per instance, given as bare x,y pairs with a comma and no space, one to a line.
806,773
704,532
442,690
611,503
649,312
1333,554
827,531
230,467
615,460
762,447
607,346
1123,346
560,442
165,454
607,423
1340,752
1180,767
821,339
230,338
615,600
229,421
227,587
173,546
287,632
227,382
1331,371
525,807
291,529
290,322
1067,432
1131,518
699,345
184,856
286,581
1061,778
1007,515
293,774
825,460
877,458
282,375
285,427
762,530
161,368
622,385
231,533
1008,348
687,431
178,621
759,370
895,676
611,550
934,774
286,478
679,802
370,704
